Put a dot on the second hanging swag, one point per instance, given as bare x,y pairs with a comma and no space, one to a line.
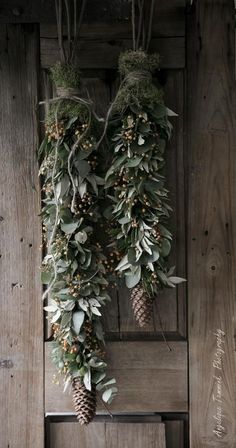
139,129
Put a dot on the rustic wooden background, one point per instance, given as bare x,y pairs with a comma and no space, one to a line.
197,48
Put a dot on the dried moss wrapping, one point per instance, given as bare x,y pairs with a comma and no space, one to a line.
67,110
130,61
65,75
138,90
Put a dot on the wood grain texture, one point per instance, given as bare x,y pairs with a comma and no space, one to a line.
114,17
112,435
103,53
136,435
150,378
174,431
21,329
211,223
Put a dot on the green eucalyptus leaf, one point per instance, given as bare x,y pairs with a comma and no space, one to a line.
46,277
177,280
78,319
133,278
82,188
92,180
109,394
95,311
87,379
170,113
66,318
56,316
83,304
50,308
70,227
133,162
83,168
141,140
98,377
165,247
124,220
70,122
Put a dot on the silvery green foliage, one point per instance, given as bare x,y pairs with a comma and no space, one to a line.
73,268
140,205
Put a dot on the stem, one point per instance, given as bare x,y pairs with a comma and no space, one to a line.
75,18
58,7
133,24
76,38
105,406
162,330
68,29
150,25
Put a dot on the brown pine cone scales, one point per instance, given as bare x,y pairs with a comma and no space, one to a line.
84,402
142,305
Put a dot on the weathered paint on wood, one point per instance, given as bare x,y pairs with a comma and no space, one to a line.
211,223
150,378
21,327
112,435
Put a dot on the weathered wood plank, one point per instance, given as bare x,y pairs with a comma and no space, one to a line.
103,54
169,17
72,435
211,224
21,328
150,378
174,430
137,434
112,435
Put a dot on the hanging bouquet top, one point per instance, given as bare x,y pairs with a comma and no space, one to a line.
137,89
138,61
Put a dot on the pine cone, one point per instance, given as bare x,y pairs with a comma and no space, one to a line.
142,305
84,402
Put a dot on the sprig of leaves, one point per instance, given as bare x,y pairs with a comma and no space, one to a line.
136,181
79,291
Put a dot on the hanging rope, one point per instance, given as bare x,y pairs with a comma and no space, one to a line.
144,31
77,28
67,54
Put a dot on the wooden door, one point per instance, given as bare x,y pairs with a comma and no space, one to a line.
151,374
152,408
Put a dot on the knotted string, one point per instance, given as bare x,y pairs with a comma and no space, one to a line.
63,92
138,75
142,30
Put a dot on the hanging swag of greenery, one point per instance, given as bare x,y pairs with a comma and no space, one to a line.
73,267
136,182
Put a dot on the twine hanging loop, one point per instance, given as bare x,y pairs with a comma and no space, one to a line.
65,92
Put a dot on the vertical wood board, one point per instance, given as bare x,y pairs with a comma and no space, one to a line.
21,330
211,224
